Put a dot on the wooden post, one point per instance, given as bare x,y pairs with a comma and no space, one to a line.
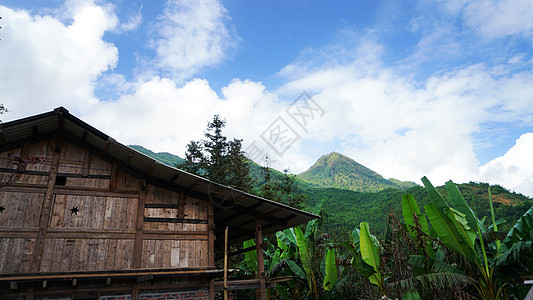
30,293
139,225
211,233
212,289
226,264
135,291
260,259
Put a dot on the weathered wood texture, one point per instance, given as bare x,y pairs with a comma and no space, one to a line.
94,216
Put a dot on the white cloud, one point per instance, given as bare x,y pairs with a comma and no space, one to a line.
192,35
46,63
496,19
513,170
132,22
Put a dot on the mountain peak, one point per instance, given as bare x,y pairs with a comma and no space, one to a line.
336,170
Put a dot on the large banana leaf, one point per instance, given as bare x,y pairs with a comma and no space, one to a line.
410,209
304,256
250,257
447,231
434,195
331,270
370,253
459,203
296,269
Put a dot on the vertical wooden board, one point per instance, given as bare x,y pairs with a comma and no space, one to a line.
167,246
132,183
58,211
6,160
92,254
19,206
84,255
149,247
191,253
103,245
111,254
70,219
133,204
159,253
40,150
27,255
17,248
46,260
175,254
108,213
66,255
98,212
205,253
7,216
187,212
149,193
120,254
123,213
31,216
98,166
128,261
75,261
4,217
86,211
56,254
4,247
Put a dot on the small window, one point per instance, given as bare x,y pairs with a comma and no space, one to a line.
61,180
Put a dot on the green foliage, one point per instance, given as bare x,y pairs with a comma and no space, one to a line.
331,270
218,159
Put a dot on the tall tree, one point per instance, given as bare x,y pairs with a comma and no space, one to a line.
218,159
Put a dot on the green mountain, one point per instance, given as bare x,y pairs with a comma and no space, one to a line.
338,171
345,208
164,157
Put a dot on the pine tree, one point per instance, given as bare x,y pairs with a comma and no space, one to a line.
217,159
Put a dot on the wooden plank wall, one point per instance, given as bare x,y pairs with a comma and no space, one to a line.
92,224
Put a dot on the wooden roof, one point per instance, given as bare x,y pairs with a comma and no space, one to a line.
233,208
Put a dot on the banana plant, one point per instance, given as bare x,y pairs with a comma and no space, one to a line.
458,227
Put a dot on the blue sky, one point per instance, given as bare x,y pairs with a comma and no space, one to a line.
407,88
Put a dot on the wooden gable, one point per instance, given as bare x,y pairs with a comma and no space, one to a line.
77,211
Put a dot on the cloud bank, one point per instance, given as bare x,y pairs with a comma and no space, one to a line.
401,125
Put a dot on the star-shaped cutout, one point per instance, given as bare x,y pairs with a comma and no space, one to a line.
2,208
74,210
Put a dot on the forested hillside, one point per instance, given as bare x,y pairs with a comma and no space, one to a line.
345,208
164,157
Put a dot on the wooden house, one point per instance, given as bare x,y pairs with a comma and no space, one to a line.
83,216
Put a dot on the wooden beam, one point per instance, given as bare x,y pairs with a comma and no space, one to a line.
174,178
128,160
86,163
113,180
194,186
150,170
139,226
211,229
46,208
106,147
260,258
84,137
35,131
